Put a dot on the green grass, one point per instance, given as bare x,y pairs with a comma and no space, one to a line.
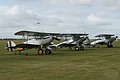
91,64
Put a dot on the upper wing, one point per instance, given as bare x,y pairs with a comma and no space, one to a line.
106,36
74,34
32,33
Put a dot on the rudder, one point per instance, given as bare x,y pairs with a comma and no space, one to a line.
10,46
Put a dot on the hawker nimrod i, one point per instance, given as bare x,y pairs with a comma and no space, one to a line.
104,39
72,40
38,40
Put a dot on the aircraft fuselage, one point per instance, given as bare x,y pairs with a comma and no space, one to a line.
39,41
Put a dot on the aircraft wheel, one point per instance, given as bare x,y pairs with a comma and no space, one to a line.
77,48
48,51
40,52
81,48
93,46
111,46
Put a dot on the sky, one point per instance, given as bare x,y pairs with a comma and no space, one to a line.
64,16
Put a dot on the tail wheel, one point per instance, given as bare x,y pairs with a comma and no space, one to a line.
40,52
48,51
77,48
81,48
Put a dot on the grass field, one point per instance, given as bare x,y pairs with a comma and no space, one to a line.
91,64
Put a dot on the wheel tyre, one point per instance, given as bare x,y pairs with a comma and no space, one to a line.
111,46
81,48
108,46
40,52
77,49
47,52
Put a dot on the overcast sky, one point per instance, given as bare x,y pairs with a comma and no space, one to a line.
79,16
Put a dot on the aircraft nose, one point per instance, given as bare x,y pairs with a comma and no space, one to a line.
55,37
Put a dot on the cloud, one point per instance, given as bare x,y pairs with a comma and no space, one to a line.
8,11
57,2
92,16
95,20
108,5
15,16
71,2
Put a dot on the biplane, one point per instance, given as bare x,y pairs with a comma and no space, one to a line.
31,39
104,39
72,40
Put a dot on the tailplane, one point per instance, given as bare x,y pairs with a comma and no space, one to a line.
10,46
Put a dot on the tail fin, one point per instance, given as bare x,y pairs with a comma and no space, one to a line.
10,46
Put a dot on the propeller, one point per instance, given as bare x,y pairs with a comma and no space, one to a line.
116,37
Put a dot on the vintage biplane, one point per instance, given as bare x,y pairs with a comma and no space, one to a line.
72,40
31,39
104,39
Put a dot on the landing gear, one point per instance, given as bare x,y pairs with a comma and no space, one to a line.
77,48
81,48
40,52
48,51
109,45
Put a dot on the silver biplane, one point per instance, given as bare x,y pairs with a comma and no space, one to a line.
72,40
30,39
104,39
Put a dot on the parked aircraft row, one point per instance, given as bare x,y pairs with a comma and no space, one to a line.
40,40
